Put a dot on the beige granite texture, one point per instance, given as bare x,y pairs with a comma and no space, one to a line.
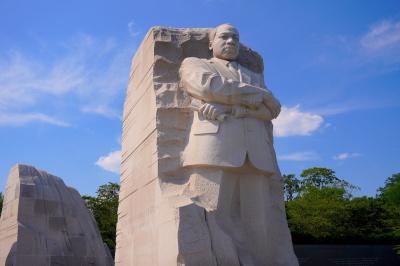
44,222
173,210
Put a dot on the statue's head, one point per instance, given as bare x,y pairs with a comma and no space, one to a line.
224,42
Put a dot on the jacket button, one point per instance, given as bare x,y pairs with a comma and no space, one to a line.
249,128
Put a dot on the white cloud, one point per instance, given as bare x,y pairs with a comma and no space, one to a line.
119,139
102,110
382,44
345,156
21,119
293,122
131,29
300,156
353,104
87,74
111,162
340,108
381,36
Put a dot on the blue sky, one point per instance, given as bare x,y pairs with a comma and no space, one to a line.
334,65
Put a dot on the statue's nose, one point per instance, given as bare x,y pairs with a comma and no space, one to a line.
230,41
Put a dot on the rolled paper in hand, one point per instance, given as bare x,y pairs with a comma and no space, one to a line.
195,106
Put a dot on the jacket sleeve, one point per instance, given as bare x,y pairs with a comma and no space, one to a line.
203,82
263,113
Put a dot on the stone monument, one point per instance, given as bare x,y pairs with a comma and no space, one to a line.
200,184
44,222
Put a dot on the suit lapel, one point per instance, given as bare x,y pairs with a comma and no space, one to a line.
245,75
222,69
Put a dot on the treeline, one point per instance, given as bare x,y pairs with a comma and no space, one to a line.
321,209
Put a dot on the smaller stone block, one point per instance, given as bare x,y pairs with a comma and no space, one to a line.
45,223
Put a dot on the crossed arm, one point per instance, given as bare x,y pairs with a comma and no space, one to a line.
223,95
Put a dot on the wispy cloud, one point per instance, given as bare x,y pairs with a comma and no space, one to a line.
102,110
345,156
382,35
21,119
293,122
87,75
111,162
380,44
300,156
131,29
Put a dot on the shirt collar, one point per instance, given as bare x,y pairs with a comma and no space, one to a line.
225,62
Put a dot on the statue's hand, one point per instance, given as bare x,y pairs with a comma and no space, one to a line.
255,105
213,110
263,113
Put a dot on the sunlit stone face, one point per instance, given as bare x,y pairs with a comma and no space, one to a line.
226,43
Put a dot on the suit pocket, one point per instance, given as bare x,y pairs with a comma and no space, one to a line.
205,127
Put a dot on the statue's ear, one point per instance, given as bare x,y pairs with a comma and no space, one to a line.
210,45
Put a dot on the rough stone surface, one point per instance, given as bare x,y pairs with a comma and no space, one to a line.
45,222
165,216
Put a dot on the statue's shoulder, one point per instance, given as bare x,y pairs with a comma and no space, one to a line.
194,61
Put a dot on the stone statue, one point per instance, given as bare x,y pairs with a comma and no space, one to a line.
200,185
234,175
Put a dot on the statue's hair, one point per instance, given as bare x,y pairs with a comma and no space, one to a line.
212,33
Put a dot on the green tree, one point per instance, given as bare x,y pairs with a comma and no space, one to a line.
320,212
105,208
367,221
392,195
325,212
291,186
1,202
315,214
391,190
319,177
323,177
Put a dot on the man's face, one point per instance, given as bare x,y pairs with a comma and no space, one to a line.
226,43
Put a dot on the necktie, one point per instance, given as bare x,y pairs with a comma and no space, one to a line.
233,69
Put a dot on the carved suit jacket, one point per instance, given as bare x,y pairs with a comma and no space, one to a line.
212,143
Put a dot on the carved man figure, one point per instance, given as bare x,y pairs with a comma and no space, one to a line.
235,177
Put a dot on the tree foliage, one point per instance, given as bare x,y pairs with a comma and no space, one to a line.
316,213
105,208
319,177
391,190
390,194
315,177
291,186
322,210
